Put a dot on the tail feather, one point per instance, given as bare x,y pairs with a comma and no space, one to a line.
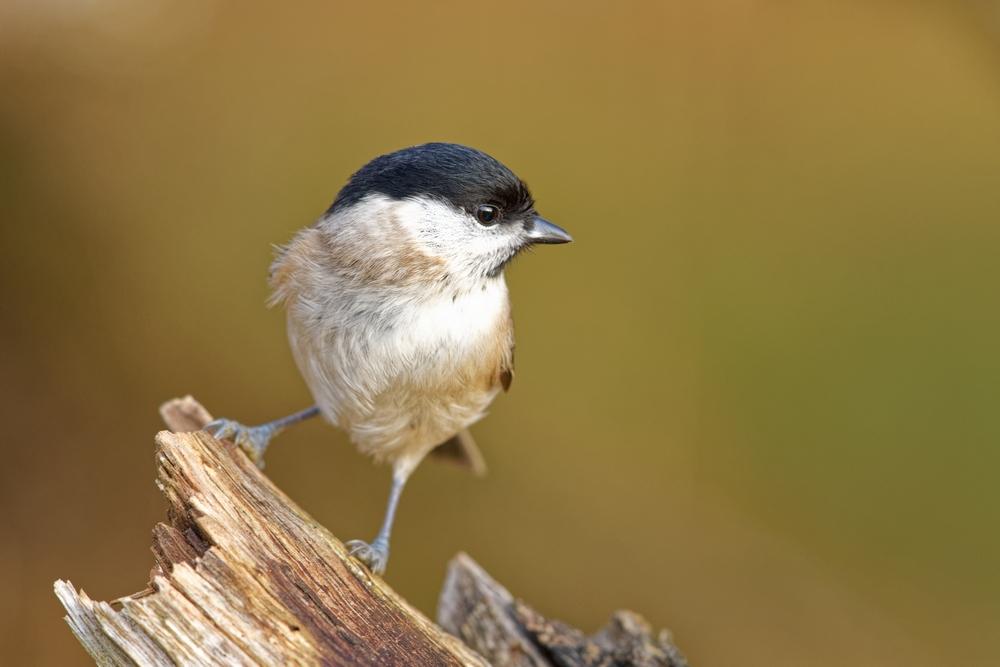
461,449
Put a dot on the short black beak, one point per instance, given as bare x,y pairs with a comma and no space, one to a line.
541,230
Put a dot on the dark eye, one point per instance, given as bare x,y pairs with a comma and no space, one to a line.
488,214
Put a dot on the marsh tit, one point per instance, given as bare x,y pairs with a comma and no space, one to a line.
398,313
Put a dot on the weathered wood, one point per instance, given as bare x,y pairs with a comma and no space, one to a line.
243,576
509,633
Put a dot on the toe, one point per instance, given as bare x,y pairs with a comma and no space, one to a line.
220,428
254,442
357,547
375,559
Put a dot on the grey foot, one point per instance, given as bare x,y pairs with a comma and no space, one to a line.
375,556
251,439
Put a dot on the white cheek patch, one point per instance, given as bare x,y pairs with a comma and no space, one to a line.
453,235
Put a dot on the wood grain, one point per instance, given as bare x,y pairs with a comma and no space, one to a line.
243,576
508,632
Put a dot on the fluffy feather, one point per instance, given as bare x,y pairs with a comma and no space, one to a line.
402,336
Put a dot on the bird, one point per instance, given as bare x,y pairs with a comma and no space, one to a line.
398,313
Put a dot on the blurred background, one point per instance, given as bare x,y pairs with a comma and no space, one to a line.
756,400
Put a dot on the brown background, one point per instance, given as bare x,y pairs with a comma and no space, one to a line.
756,400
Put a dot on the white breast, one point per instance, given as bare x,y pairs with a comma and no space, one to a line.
448,326
402,384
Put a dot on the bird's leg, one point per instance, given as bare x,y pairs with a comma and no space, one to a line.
376,554
254,439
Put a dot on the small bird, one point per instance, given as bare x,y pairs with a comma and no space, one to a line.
398,314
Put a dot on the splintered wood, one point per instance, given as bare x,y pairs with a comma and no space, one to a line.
243,576
477,609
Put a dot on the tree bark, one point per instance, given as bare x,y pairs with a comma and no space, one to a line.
243,576
508,632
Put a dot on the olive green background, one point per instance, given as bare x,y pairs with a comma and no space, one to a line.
756,400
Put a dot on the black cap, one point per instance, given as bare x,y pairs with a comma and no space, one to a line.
463,176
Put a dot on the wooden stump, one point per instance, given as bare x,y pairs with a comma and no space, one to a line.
506,631
243,576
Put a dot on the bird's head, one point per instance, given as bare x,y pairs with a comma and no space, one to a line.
454,205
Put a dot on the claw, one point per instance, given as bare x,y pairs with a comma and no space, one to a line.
251,439
220,428
375,556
